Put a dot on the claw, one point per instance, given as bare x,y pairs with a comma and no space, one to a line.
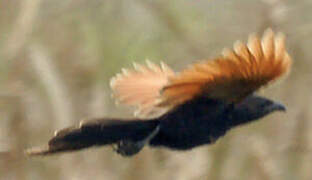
128,147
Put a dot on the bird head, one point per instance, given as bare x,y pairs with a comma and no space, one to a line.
252,108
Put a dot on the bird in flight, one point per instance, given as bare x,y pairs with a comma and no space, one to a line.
184,110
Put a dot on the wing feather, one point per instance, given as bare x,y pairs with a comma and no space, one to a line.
233,76
141,87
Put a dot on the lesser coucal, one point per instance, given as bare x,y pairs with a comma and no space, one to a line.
184,110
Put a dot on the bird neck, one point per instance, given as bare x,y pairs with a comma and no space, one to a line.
239,116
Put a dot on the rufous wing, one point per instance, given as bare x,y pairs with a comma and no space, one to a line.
141,86
234,75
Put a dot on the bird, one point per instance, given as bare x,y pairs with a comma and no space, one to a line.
187,109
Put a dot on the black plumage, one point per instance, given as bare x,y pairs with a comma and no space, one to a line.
188,109
195,123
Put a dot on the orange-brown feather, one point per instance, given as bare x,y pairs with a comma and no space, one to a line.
141,87
233,76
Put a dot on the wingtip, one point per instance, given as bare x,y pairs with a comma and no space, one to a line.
138,67
124,71
225,52
267,39
149,62
268,31
154,67
112,82
280,37
237,46
258,62
252,38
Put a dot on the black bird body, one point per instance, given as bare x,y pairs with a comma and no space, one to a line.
203,121
194,107
197,122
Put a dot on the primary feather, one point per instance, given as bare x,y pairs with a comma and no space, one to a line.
141,86
231,77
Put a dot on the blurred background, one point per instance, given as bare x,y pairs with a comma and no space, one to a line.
56,59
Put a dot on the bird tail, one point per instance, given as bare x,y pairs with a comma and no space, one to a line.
100,132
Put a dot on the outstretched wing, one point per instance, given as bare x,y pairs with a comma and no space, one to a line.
233,76
141,87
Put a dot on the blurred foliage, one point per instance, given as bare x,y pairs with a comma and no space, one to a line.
56,59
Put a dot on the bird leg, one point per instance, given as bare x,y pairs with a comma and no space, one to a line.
129,147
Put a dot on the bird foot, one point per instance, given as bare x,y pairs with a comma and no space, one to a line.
130,147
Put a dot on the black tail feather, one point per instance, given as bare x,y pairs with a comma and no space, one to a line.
97,132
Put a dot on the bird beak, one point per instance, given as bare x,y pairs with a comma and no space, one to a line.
278,107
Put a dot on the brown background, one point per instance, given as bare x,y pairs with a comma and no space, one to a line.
56,59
